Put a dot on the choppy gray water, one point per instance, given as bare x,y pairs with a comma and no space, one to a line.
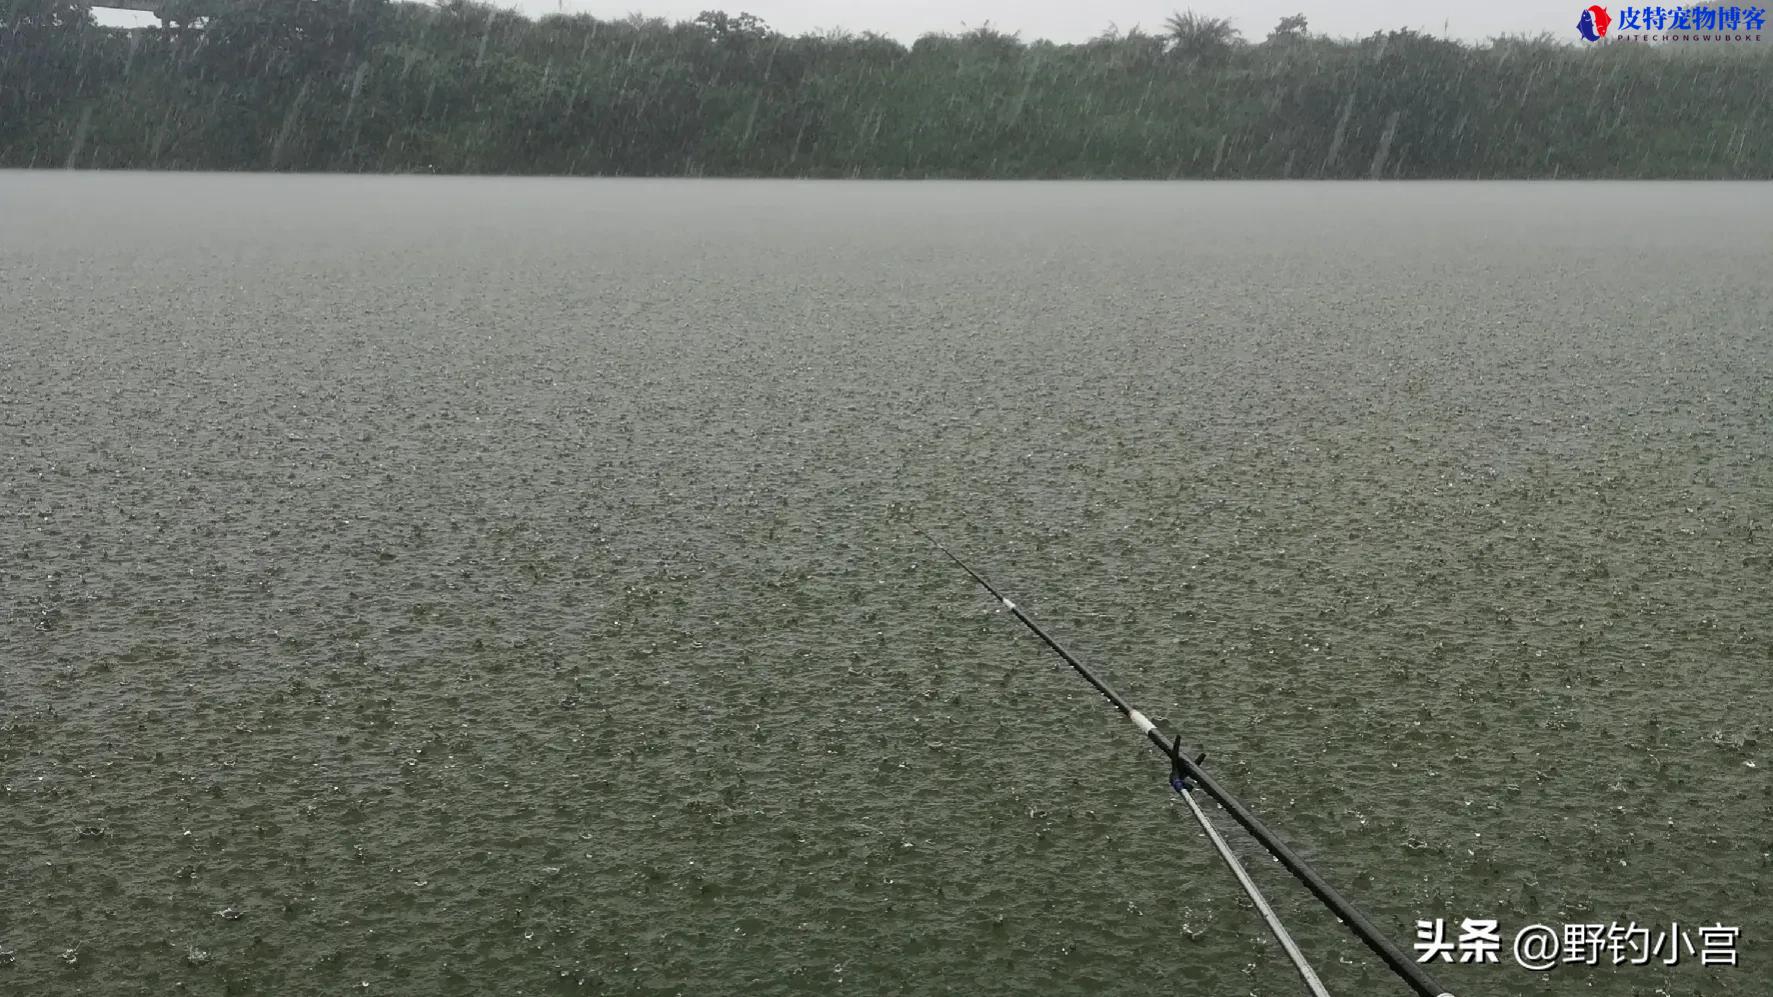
507,586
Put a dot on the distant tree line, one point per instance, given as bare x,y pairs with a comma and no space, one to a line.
461,87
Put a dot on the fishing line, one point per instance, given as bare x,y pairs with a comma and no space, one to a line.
1306,973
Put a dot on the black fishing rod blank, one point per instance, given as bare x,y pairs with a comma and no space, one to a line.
1363,928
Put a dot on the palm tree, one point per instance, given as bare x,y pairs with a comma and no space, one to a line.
1197,36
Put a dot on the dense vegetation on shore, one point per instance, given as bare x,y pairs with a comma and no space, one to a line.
368,85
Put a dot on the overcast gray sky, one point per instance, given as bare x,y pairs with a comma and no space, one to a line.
1077,20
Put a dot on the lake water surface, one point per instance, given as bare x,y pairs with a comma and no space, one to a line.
469,586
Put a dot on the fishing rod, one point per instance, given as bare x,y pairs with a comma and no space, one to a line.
1179,782
1363,928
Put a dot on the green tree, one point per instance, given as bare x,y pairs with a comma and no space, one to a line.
1201,38
459,85
42,49
1290,29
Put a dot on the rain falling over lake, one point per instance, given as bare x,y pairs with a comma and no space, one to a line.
420,585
